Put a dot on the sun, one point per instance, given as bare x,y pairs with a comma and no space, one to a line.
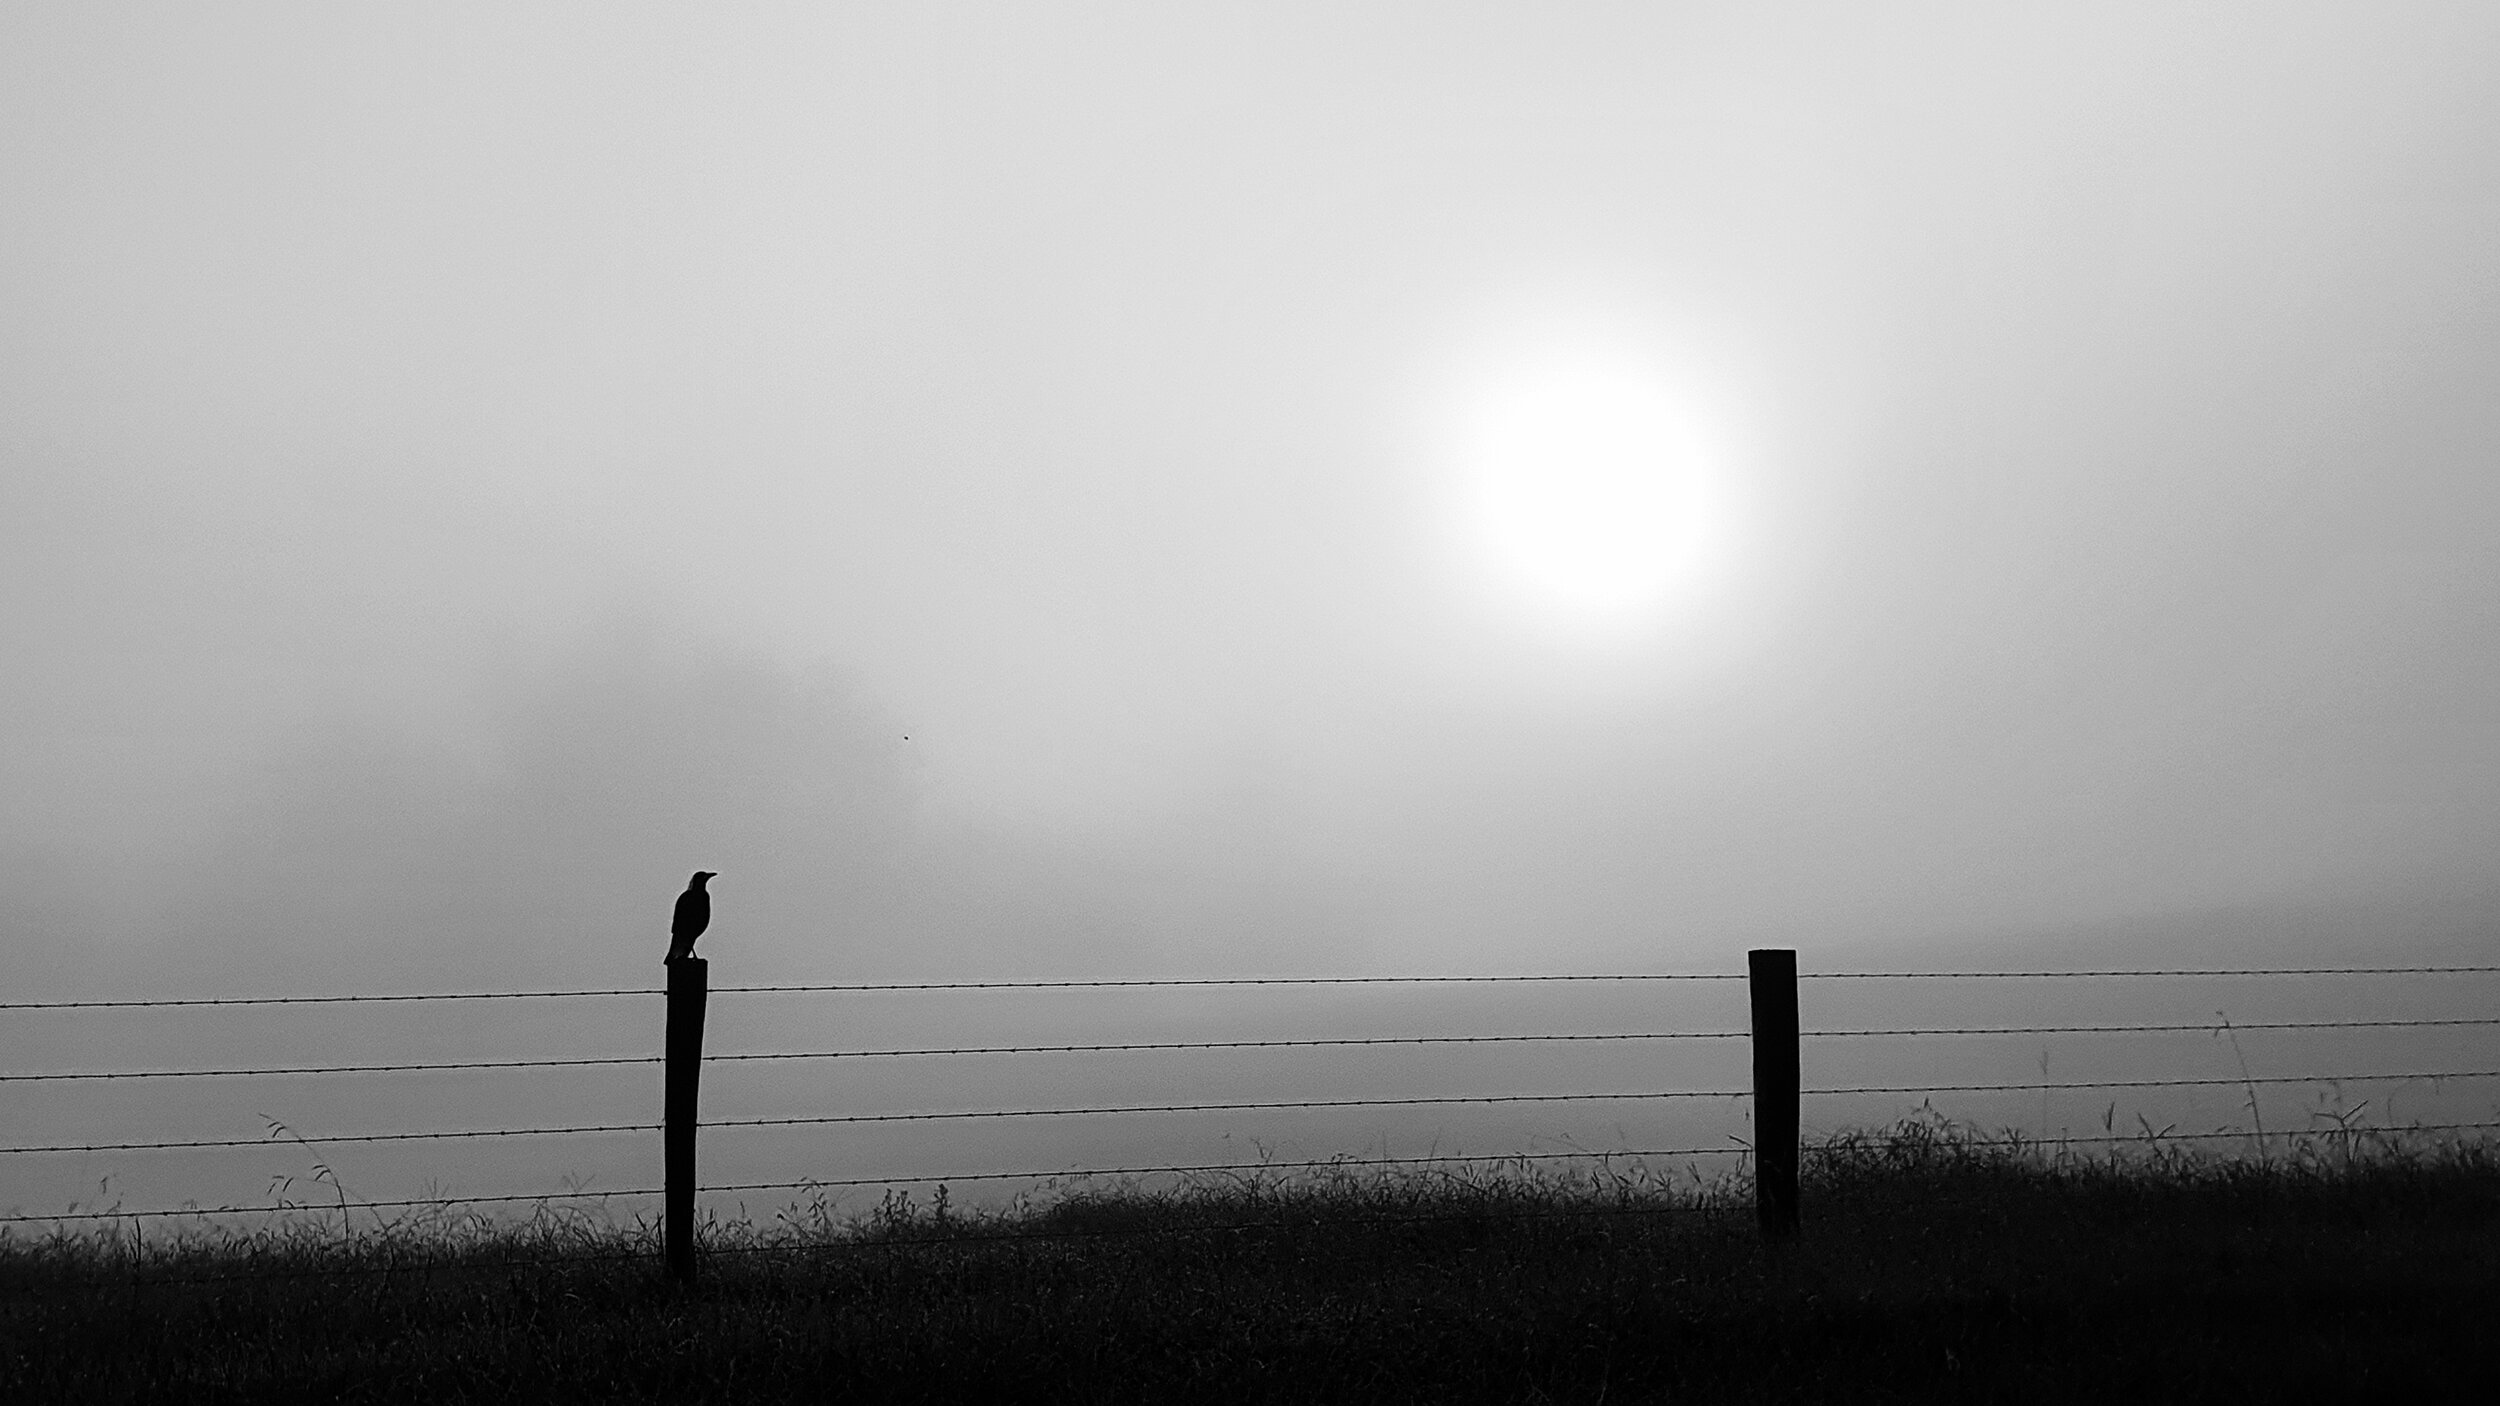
1584,482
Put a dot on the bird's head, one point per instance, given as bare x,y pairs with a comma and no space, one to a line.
701,875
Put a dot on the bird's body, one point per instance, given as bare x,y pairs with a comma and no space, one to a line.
693,915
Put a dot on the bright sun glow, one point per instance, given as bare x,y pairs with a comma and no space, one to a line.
1586,486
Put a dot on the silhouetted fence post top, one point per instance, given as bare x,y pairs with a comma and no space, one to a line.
1772,978
689,983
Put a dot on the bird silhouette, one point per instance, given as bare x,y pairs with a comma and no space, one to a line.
694,914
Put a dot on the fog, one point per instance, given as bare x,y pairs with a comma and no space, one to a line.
980,478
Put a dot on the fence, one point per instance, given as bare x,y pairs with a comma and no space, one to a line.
1774,1035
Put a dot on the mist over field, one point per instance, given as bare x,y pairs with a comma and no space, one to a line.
993,481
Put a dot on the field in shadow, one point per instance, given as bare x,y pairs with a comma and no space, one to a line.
1935,1264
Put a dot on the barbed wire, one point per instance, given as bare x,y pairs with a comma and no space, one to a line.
275,1139
1030,1234
1239,981
1245,1107
311,1208
2207,1028
1113,984
278,1070
2433,1075
154,1002
1103,984
1159,1045
2116,1139
2112,1140
905,1117
1260,1105
933,1179
1551,1098
2146,971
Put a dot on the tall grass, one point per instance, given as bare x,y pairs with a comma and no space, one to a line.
1935,1264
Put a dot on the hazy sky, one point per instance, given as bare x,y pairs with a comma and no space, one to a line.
464,467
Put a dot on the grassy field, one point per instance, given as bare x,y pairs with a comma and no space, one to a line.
1934,1266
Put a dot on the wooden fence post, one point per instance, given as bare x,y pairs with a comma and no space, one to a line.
1773,977
689,981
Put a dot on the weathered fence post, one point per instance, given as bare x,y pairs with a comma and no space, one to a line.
689,981
1773,976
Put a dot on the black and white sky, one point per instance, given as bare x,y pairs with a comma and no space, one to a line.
1070,489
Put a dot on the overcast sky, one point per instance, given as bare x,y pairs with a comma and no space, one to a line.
464,467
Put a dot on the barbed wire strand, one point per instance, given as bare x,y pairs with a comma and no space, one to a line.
2112,1140
1115,984
909,1117
159,1002
2209,1028
820,987
2205,1028
1244,1107
2433,1075
1042,1235
830,1118
283,1139
1157,1045
1251,1107
2145,971
937,1179
1243,981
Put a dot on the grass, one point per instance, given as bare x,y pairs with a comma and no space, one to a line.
1935,1264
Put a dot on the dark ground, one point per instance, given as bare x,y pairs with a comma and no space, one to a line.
1930,1269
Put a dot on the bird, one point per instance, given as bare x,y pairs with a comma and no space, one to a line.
694,914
